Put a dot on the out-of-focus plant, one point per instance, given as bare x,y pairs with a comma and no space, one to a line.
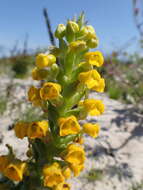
3,105
123,73
21,64
55,144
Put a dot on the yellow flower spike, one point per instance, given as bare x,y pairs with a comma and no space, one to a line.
15,171
37,129
39,74
66,172
20,129
92,107
76,169
75,154
50,91
92,80
62,186
4,161
94,58
44,60
34,96
77,46
60,31
52,175
68,126
91,129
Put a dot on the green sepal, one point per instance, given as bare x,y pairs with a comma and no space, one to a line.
63,46
81,20
63,141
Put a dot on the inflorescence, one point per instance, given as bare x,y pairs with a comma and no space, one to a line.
67,74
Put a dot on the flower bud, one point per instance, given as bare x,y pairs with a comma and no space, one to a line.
39,74
91,32
92,43
44,60
82,33
77,46
60,31
71,29
54,70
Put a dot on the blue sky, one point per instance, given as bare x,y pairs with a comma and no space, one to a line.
112,19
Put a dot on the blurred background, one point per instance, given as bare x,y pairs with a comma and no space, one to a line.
117,161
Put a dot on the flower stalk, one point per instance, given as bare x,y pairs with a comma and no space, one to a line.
55,146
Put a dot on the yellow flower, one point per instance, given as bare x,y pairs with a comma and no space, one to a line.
94,58
62,186
91,129
77,46
68,126
39,74
79,140
20,129
34,96
92,107
76,168
37,129
44,60
52,175
66,172
4,161
75,154
15,171
50,91
93,80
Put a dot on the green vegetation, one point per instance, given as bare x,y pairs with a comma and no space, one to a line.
94,175
137,186
3,105
123,74
123,78
31,113
21,65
